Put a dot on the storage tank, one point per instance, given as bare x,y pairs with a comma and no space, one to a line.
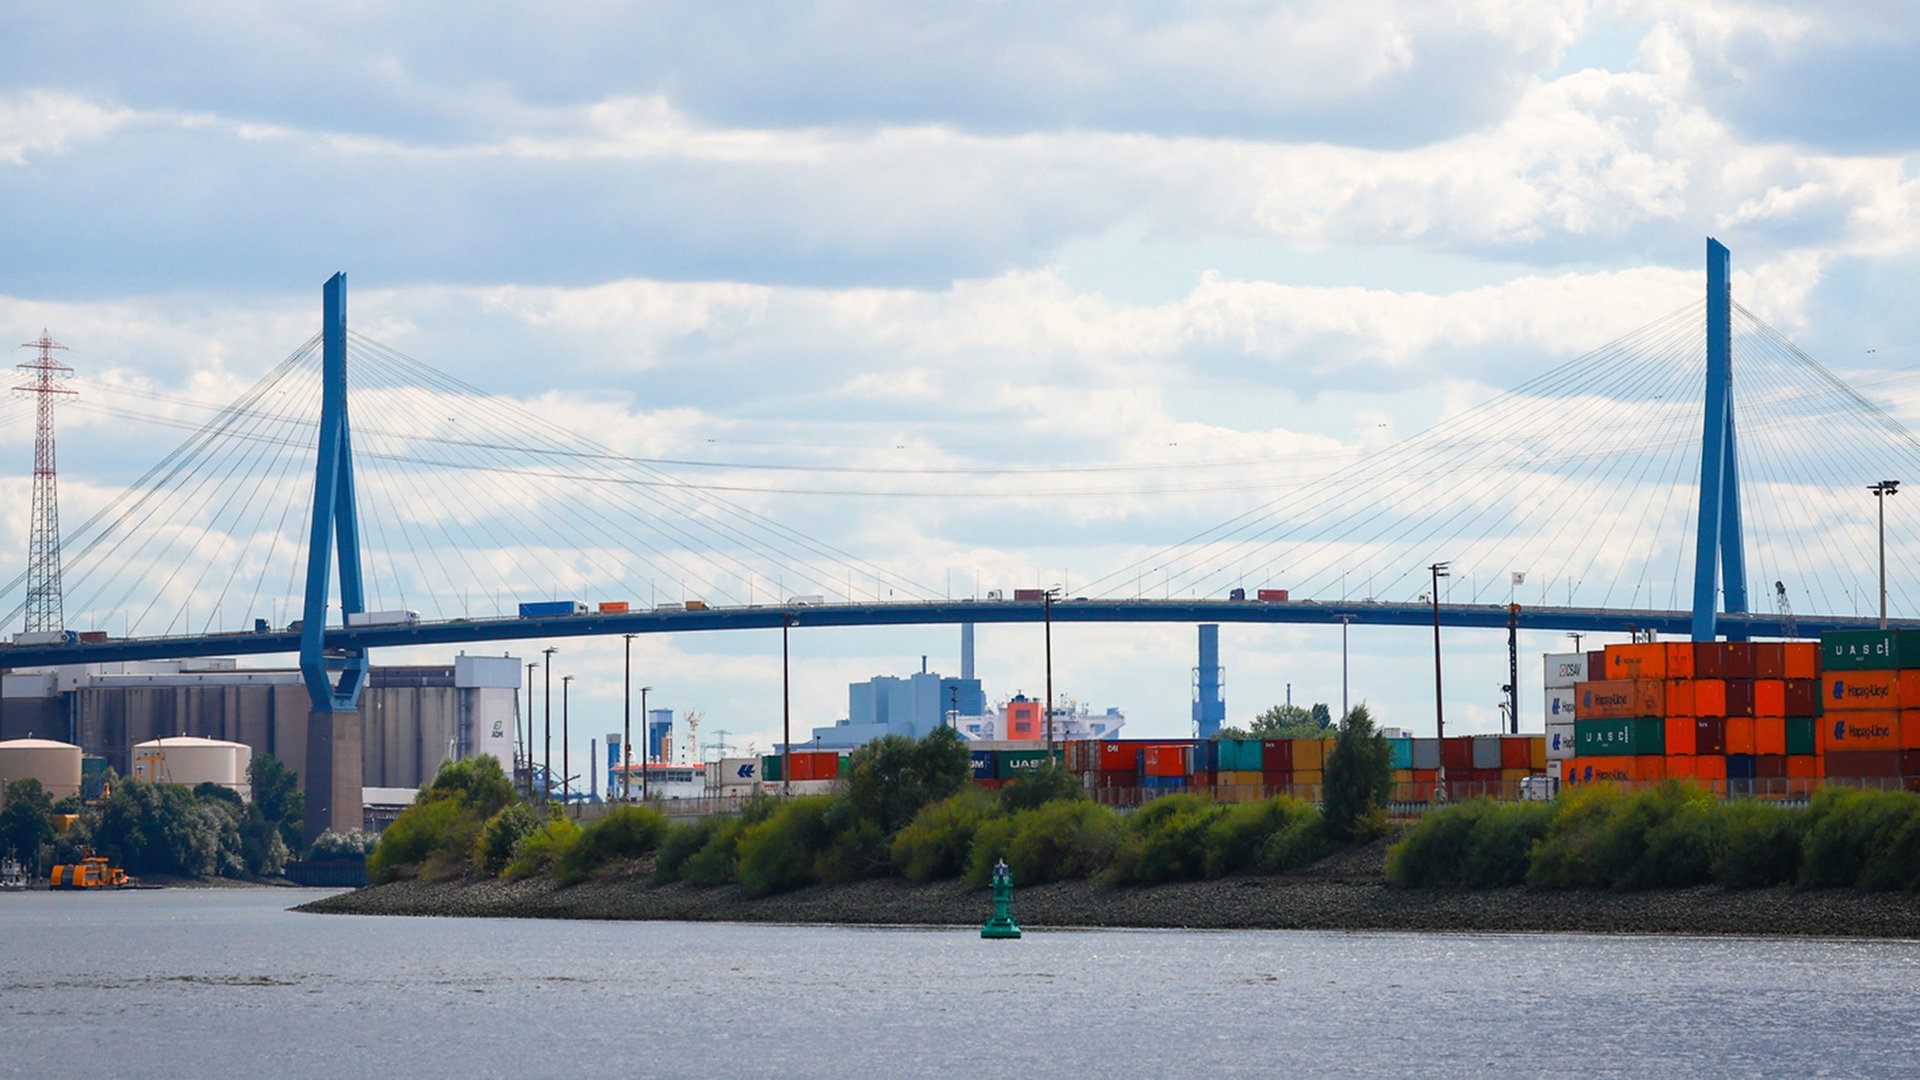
184,759
55,764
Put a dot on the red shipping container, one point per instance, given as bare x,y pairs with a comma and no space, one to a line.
1109,780
1710,698
1770,736
1456,755
1770,766
1802,697
1802,660
1863,763
1736,659
1276,755
1910,763
1909,689
1597,662
1710,736
1769,697
1709,662
1909,729
1860,730
1272,596
1680,731
1680,701
1739,697
1201,780
1516,752
1276,779
1116,756
1679,659
1769,660
1167,760
1740,735
1842,690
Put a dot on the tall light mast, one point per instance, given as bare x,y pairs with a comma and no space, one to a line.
44,610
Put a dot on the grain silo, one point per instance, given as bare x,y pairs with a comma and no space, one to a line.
185,759
55,764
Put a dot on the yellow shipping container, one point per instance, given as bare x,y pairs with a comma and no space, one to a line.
1515,774
1239,778
1308,755
1307,777
1403,776
1537,753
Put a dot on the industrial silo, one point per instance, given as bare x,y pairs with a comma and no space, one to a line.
184,759
55,764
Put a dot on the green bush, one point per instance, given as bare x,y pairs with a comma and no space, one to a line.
855,848
1476,844
889,779
500,836
1758,845
626,832
436,837
1056,841
934,846
706,852
777,855
1166,840
352,844
419,831
1237,836
1302,843
150,828
26,821
540,849
1654,839
1863,839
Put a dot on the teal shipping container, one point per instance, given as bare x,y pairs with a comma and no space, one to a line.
1869,650
1606,738
1402,752
1014,764
1240,755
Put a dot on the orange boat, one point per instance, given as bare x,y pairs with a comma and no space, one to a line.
91,872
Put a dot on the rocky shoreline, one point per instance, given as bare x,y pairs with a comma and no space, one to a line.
1349,896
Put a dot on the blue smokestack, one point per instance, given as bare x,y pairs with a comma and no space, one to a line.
1209,702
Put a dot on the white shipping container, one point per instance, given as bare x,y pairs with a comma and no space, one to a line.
383,618
1565,669
735,771
1559,741
1560,706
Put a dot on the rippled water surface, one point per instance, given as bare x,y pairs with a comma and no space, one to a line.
229,982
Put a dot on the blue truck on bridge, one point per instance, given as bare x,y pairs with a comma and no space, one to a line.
541,609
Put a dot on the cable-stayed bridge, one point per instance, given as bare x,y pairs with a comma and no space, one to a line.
1574,501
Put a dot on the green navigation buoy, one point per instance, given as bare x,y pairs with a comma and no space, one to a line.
1002,924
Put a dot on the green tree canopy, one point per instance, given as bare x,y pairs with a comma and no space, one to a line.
1359,777
889,779
1285,722
26,822
277,795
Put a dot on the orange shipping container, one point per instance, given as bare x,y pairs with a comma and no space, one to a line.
1769,698
1650,767
1679,698
1637,661
1909,729
1679,659
1710,767
1516,753
1802,766
1605,699
1680,731
1589,770
1859,729
1909,689
1710,697
1679,766
1769,735
1847,690
1803,659
1740,735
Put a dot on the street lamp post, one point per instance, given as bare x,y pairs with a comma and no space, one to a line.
566,768
547,766
786,711
1880,492
626,736
1438,570
531,664
1344,620
646,726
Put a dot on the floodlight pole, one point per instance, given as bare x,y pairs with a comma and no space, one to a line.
1047,603
547,767
531,664
646,726
566,768
1880,492
1438,570
626,736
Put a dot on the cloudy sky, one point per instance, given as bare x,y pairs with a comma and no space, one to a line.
985,294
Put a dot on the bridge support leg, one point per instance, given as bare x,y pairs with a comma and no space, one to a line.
334,772
1717,547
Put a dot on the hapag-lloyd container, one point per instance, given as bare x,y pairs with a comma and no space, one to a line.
1560,704
1560,739
1605,699
1618,769
1860,729
1862,689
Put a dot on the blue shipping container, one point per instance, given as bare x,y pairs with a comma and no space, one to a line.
982,764
541,609
1206,755
1740,767
1163,783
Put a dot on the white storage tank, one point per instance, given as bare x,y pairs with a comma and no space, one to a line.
55,764
185,759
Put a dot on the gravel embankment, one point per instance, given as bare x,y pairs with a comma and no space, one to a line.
1345,893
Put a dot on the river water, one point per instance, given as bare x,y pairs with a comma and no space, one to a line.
228,982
